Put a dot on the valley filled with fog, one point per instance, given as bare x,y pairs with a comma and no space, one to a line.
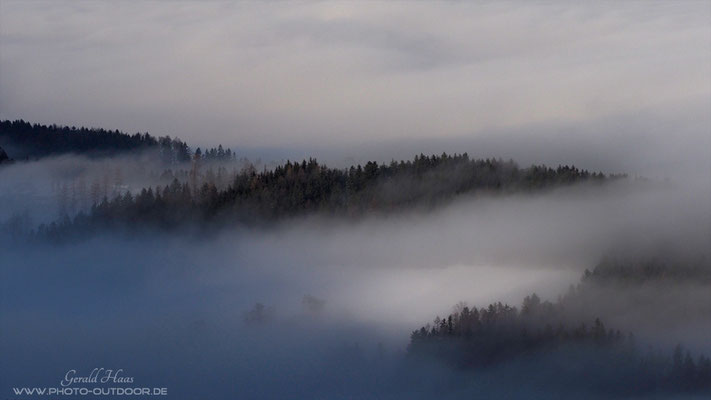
337,200
317,305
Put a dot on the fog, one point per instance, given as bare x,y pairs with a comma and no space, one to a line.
171,308
68,184
619,88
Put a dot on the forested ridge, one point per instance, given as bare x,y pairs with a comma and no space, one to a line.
36,141
552,334
212,187
29,141
299,188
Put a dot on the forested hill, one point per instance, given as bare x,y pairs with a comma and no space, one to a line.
207,187
201,195
559,339
23,140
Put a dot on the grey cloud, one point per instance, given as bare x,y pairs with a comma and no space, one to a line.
619,88
317,78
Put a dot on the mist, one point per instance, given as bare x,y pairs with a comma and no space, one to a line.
322,306
171,306
622,88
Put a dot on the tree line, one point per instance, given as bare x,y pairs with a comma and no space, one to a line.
298,188
676,268
539,337
566,334
33,141
28,141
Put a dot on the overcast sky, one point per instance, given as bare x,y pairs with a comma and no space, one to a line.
605,86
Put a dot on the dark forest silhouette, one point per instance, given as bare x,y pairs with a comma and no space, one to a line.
197,193
294,189
199,190
35,141
549,333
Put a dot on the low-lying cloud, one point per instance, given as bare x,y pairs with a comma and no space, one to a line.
164,305
627,84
